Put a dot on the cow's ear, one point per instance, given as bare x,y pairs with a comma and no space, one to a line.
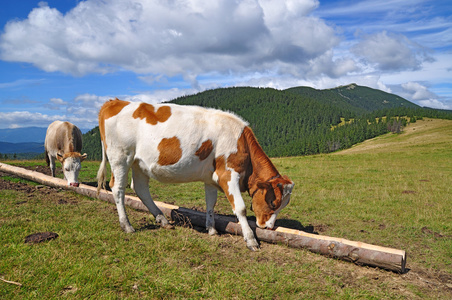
83,157
264,185
60,157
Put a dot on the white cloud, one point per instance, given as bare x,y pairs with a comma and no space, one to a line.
58,101
434,103
391,52
417,91
25,119
18,119
56,104
421,95
171,38
20,83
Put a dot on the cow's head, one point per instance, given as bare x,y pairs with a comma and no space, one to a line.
71,163
269,198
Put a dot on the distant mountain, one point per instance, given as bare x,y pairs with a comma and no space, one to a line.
7,148
23,135
26,134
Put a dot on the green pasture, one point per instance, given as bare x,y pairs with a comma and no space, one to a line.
392,191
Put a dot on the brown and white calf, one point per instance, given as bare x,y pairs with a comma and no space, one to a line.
64,142
175,144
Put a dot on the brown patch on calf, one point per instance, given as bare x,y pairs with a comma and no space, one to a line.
224,176
204,151
240,161
108,110
170,151
147,111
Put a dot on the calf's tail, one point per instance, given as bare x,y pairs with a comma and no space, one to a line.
102,173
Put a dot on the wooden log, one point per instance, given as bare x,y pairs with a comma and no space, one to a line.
356,252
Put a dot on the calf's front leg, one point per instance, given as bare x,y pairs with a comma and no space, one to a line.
232,190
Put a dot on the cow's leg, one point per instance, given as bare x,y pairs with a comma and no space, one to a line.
232,190
120,172
52,165
141,186
211,200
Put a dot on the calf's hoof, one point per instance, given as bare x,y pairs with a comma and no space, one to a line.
212,231
168,226
127,228
252,248
253,245
160,219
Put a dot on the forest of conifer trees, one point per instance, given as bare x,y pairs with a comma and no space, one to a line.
304,121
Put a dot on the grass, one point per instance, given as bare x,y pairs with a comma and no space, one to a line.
391,191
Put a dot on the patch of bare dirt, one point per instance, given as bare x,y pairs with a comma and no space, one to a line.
408,192
320,228
40,237
52,194
428,231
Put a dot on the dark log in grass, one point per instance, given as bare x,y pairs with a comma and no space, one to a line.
356,252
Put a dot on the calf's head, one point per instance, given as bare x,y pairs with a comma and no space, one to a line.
269,199
71,163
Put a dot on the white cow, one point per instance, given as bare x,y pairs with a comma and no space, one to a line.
64,142
172,143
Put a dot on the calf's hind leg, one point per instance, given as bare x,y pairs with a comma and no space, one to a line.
119,176
211,200
141,187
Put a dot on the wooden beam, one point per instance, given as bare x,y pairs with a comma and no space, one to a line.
356,252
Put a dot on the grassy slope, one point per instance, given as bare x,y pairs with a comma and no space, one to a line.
392,191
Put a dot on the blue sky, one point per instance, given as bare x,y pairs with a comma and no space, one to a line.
61,59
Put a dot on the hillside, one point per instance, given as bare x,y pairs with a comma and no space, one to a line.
355,98
434,134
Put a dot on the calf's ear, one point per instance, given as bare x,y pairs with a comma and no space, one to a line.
60,157
83,157
264,185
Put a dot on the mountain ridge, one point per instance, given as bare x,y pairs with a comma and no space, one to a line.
356,98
